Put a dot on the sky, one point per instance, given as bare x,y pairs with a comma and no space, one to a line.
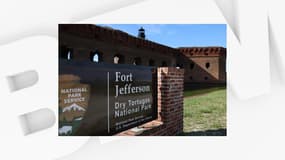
179,35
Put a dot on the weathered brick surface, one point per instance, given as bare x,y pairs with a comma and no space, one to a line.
195,60
170,105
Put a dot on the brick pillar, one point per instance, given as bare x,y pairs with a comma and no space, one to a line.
170,99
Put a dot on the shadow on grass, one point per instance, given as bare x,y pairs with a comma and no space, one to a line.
194,92
218,132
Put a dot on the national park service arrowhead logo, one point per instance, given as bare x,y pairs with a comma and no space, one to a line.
73,103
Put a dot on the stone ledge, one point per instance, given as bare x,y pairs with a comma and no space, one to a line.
141,129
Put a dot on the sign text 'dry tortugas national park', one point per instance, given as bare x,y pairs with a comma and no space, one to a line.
105,99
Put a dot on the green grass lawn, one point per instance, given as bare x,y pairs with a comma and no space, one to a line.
205,111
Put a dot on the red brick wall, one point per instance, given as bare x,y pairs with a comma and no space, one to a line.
195,60
170,105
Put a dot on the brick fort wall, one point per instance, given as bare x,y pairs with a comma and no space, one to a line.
201,64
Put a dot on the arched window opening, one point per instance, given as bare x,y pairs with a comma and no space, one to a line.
206,78
179,66
119,59
66,53
207,65
96,57
69,56
192,66
137,61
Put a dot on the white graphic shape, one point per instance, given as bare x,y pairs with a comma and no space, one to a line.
37,120
22,80
248,50
277,38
